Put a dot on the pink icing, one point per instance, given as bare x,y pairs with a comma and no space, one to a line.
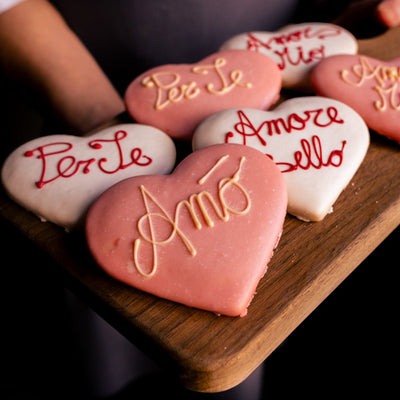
176,98
202,236
370,86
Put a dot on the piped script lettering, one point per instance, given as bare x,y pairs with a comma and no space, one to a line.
386,79
311,154
196,207
289,47
58,159
170,90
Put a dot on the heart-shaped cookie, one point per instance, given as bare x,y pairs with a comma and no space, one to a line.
57,177
369,86
201,236
176,98
297,48
318,144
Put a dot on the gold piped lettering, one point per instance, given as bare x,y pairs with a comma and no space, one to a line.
167,90
226,86
387,80
170,90
220,206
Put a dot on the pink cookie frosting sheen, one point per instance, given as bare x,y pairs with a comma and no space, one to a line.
201,236
176,98
368,85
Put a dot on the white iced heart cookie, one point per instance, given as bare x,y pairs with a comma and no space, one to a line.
296,49
58,177
318,144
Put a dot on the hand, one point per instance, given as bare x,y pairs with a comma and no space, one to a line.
388,12
368,17
40,52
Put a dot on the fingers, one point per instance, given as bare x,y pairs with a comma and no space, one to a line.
388,12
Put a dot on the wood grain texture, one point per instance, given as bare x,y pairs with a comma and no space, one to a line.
384,47
211,353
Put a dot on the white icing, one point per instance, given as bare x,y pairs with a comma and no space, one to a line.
297,48
35,181
340,145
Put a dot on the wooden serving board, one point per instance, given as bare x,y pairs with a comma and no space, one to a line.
211,353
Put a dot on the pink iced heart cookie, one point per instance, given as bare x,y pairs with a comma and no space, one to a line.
297,48
57,177
201,236
370,86
317,143
176,98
